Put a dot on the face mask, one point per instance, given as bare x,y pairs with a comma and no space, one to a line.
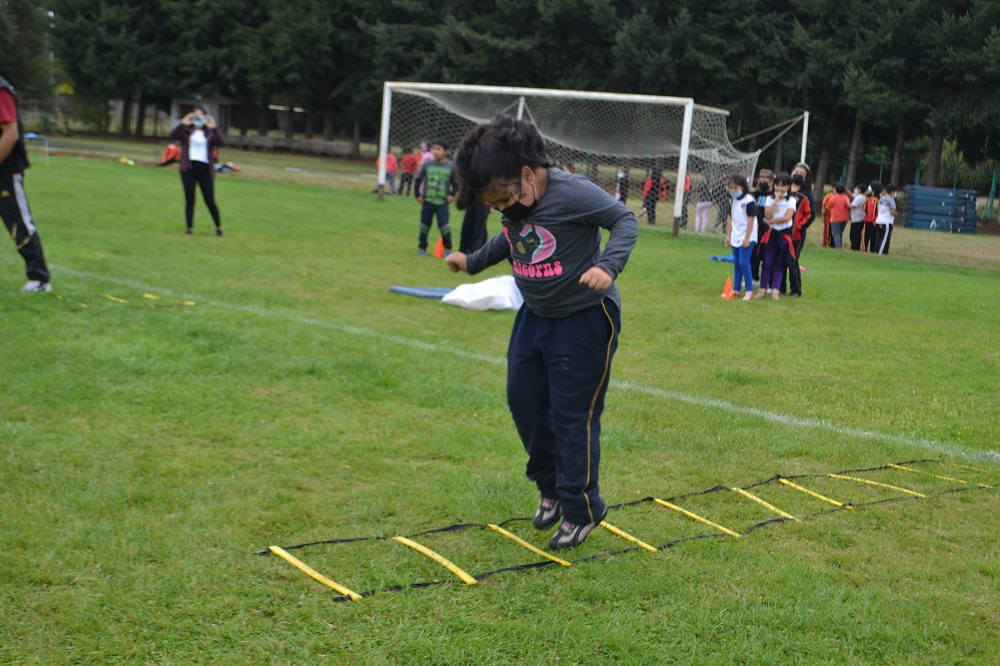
198,121
517,211
868,191
797,179
763,186
620,175
736,195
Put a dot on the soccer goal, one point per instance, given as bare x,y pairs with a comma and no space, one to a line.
647,138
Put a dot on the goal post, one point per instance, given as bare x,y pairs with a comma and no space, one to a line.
622,142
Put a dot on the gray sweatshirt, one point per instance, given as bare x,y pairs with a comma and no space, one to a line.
559,242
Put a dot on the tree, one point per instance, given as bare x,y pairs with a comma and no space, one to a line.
115,49
22,47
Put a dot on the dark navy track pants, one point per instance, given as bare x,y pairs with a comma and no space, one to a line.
557,374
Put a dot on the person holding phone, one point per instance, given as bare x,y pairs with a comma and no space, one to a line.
198,137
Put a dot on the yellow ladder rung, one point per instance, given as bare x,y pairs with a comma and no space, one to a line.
625,535
518,540
876,483
447,564
936,476
312,573
816,495
695,516
972,469
764,504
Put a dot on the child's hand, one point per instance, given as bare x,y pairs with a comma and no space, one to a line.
746,243
450,199
595,278
457,262
420,199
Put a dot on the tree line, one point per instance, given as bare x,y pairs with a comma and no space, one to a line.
892,72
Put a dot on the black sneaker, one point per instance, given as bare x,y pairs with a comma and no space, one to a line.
548,514
569,535
218,231
189,232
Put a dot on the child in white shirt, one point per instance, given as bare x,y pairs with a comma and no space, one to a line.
886,216
779,215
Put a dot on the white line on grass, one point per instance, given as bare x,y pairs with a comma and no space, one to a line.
674,396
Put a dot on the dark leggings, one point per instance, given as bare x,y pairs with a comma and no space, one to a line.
199,173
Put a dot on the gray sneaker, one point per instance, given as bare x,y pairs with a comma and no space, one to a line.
569,535
548,514
37,286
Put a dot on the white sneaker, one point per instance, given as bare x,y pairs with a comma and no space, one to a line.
37,286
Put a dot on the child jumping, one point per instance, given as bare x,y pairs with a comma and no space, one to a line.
779,211
566,333
435,189
742,234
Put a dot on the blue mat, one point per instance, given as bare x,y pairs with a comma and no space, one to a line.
422,292
727,257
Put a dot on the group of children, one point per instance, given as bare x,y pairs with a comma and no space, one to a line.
868,210
769,225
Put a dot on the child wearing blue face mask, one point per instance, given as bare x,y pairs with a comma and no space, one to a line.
742,234
566,333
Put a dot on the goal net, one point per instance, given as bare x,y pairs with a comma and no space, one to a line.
629,145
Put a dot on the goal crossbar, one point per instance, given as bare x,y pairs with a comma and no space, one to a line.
554,92
685,105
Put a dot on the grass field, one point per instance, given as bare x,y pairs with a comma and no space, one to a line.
148,448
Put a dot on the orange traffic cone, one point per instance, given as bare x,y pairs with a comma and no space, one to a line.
727,291
439,250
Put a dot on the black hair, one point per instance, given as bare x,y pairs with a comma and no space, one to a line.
839,188
441,142
496,150
737,179
783,179
807,181
876,186
893,187
199,107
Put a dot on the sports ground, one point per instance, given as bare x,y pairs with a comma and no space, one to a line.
149,446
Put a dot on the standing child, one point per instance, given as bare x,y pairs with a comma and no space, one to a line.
474,234
825,209
779,214
566,333
13,200
840,213
391,165
764,180
621,189
857,217
703,204
435,189
410,161
805,214
653,192
886,216
742,234
871,210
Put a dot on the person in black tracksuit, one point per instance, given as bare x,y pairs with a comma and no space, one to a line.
13,199
199,138
764,190
566,333
474,233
